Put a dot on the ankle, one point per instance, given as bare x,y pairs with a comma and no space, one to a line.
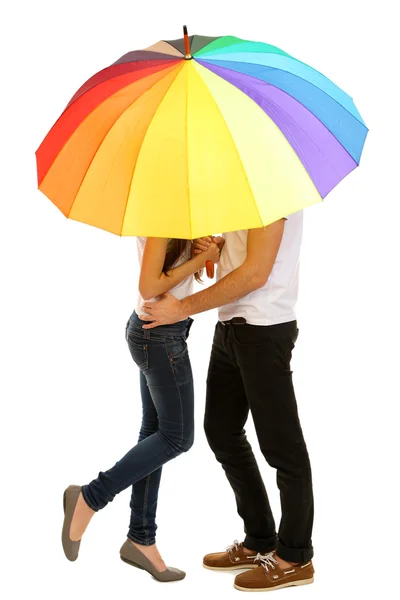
137,544
83,506
285,563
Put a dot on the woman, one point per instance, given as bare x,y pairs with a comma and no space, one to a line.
167,396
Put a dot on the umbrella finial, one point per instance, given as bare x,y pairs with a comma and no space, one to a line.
188,54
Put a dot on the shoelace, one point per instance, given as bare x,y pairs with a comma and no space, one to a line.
268,560
258,557
234,546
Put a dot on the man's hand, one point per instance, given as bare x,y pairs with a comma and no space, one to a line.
220,243
166,311
202,244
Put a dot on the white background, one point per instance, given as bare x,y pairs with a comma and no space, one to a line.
70,400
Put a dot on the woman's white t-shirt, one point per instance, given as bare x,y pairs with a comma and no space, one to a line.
180,291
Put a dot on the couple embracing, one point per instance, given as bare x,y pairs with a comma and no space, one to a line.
255,293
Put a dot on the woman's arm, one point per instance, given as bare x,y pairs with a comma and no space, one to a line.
153,282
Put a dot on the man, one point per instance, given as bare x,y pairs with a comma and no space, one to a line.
256,292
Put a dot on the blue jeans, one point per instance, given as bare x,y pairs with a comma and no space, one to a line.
167,429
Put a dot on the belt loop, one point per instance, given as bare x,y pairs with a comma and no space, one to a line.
188,326
146,334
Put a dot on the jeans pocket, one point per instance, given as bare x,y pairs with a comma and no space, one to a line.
251,335
139,353
140,356
176,348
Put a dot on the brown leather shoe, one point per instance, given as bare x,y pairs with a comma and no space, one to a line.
234,558
269,576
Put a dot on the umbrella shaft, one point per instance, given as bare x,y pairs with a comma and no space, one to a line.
188,54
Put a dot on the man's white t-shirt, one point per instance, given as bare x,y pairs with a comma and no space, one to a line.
275,302
180,291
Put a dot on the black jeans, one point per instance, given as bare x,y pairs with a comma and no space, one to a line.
250,371
167,425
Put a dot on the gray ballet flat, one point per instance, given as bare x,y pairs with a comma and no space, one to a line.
131,555
71,495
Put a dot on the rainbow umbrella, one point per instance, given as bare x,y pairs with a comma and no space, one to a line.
199,135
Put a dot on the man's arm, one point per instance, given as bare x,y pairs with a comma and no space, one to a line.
262,249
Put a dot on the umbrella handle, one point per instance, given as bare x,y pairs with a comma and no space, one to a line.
210,269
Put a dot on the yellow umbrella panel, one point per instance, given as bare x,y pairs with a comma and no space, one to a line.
162,145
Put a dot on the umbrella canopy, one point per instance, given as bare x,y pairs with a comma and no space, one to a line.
199,135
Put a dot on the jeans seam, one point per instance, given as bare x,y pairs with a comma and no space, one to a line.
127,481
145,502
180,399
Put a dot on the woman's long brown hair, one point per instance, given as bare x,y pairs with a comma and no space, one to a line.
175,249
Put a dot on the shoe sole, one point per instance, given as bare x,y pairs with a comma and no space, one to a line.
137,566
275,587
132,564
233,568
